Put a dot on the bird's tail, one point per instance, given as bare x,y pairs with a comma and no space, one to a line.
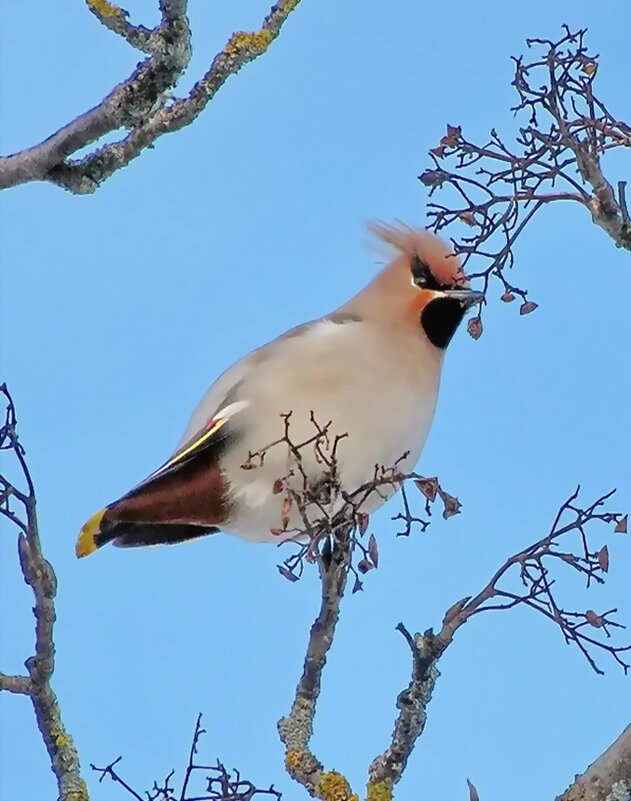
101,529
91,535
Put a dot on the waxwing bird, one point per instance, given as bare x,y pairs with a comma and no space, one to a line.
358,384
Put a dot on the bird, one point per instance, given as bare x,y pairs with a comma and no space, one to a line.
331,413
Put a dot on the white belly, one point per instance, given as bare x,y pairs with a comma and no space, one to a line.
380,412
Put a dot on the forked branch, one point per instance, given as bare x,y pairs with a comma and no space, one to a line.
532,566
142,104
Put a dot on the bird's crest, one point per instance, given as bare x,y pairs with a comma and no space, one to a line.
421,243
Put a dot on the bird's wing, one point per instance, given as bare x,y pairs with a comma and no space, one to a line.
220,394
206,439
225,389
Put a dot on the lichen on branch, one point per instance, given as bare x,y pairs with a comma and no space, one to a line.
143,103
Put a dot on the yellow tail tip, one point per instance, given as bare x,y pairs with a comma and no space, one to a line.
86,544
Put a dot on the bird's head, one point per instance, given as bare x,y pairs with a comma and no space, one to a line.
424,285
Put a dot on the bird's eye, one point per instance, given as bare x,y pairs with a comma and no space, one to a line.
422,276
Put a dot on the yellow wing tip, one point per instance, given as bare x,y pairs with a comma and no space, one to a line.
86,544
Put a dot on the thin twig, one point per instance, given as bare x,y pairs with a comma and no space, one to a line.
220,784
108,771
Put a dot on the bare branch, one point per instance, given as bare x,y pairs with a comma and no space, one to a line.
141,104
19,508
21,685
386,770
330,538
497,189
531,564
115,19
109,772
606,779
220,783
296,729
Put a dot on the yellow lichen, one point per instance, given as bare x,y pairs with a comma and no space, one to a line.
293,760
256,41
79,793
379,791
288,5
62,740
334,787
105,9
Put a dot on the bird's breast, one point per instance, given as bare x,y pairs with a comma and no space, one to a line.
342,399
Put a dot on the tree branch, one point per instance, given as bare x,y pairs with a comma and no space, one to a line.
220,783
19,508
497,188
345,530
296,729
386,769
141,103
608,778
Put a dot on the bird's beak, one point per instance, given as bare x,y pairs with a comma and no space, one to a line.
467,297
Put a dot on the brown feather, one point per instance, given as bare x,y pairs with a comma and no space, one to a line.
194,494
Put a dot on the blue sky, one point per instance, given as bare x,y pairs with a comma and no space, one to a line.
120,308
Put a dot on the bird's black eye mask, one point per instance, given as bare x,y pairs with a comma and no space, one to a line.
423,276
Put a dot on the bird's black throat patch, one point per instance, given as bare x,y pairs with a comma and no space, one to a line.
440,319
